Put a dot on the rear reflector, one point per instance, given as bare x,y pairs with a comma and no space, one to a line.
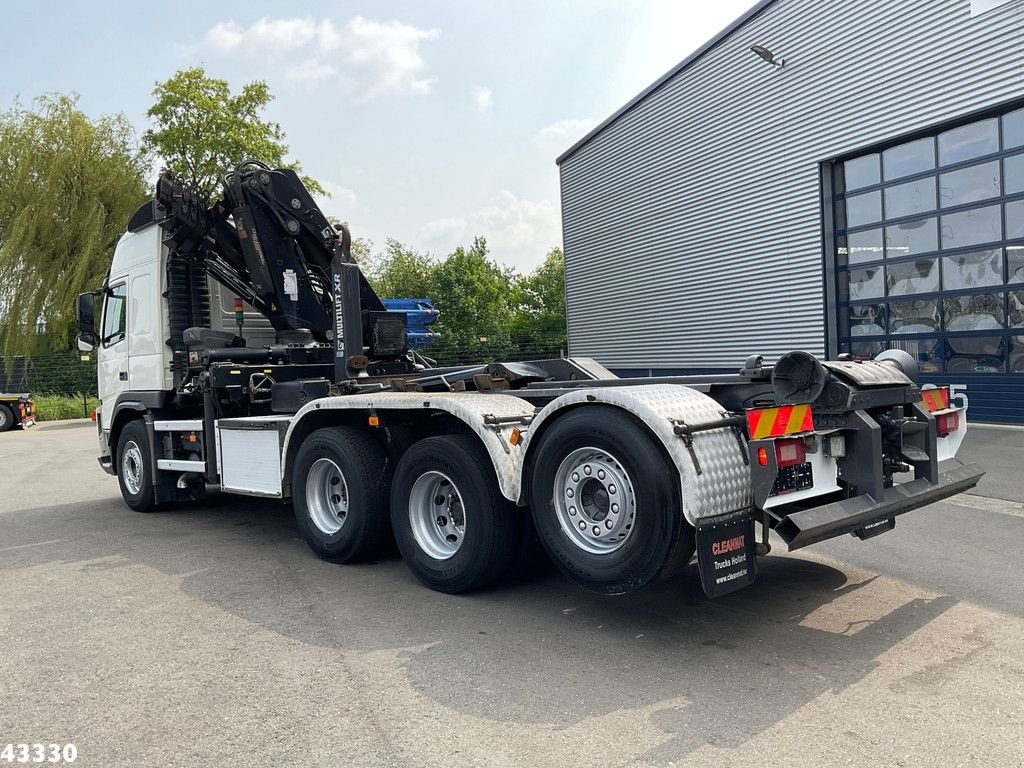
936,399
947,423
762,457
790,452
778,422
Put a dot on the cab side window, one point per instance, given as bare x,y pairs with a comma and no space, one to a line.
115,314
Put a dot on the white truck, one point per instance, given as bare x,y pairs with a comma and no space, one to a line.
239,348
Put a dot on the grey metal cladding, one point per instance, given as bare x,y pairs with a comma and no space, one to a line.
692,222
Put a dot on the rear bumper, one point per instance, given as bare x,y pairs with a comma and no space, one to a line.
799,529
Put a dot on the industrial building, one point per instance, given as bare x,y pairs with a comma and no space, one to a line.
823,175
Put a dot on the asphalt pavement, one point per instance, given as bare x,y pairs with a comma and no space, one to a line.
213,636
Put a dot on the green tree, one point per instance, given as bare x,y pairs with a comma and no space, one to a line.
539,302
200,129
473,294
401,273
68,185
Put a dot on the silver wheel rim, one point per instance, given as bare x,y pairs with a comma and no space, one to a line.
326,496
594,501
131,467
436,515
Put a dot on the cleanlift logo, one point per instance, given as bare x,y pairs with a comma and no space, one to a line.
728,545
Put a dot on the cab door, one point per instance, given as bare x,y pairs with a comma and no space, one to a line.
112,358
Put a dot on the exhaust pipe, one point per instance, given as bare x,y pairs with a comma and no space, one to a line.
798,377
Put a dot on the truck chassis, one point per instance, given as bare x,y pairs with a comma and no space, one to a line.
473,470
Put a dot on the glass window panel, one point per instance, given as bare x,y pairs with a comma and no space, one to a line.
908,277
1013,129
1015,309
1017,354
862,350
861,172
973,227
980,312
910,198
910,237
975,354
972,270
919,316
865,350
866,283
969,185
969,141
913,157
1013,173
1015,219
866,319
927,352
863,209
1015,264
859,247
114,312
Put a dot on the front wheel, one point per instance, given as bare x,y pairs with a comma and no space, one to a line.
605,503
135,467
455,530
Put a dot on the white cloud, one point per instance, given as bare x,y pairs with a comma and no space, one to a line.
445,229
519,232
341,201
265,35
567,129
372,57
310,71
391,52
483,98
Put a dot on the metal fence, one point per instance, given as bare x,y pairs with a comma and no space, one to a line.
64,373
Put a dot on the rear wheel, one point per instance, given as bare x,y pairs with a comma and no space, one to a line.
455,530
6,418
605,503
135,467
339,492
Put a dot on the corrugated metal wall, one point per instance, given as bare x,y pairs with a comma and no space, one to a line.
692,224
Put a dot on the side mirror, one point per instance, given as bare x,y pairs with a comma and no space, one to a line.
85,314
86,342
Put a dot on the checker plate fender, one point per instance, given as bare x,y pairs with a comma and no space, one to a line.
721,488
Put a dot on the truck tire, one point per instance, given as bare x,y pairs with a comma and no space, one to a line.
6,418
605,503
340,494
455,530
135,467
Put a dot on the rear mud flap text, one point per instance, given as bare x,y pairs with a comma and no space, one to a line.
726,556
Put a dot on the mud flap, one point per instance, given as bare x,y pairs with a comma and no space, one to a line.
726,556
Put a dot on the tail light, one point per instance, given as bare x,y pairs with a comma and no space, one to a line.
936,399
947,423
790,452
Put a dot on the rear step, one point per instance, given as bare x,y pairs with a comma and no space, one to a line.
810,526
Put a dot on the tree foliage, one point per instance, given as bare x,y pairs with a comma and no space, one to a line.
68,184
200,129
487,311
401,273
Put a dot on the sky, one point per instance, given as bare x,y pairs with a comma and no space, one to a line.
429,122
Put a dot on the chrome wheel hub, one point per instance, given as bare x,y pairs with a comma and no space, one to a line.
594,500
436,515
326,496
131,467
